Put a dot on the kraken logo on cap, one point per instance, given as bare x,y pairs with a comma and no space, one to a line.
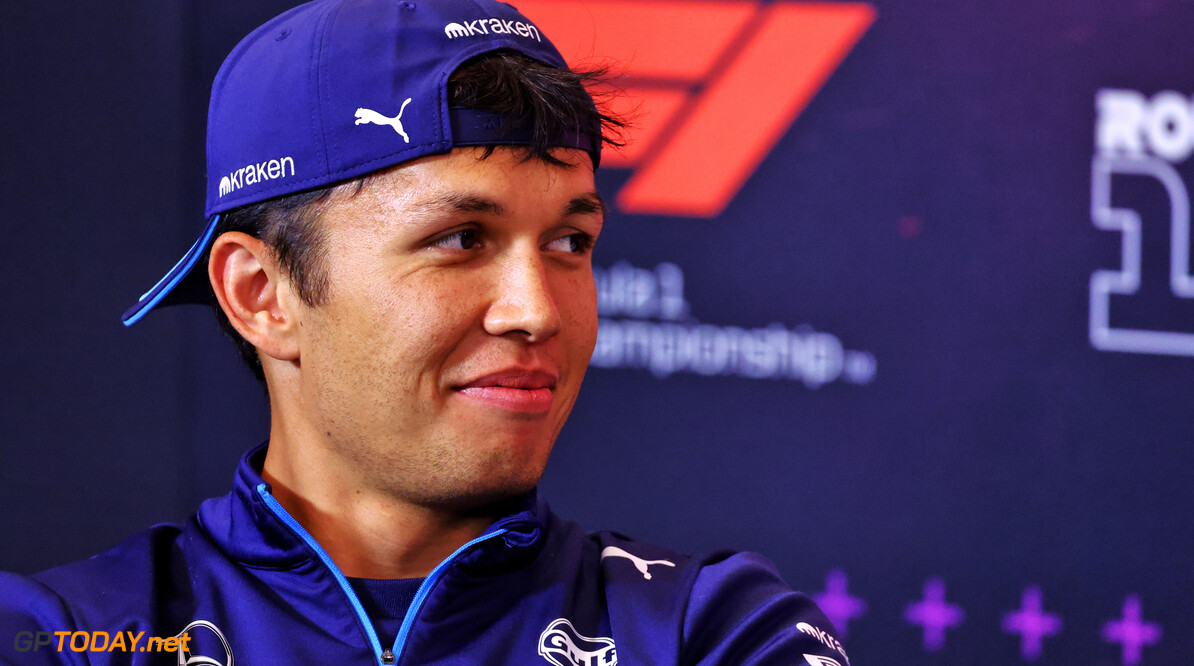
251,174
492,26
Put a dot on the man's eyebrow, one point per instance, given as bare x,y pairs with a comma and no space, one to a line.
586,204
462,202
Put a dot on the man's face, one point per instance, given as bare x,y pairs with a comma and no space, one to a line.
458,322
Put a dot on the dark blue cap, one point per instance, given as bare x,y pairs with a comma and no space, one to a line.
336,89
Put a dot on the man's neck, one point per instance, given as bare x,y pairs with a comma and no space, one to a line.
367,533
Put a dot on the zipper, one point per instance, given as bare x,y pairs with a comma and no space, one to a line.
425,589
384,657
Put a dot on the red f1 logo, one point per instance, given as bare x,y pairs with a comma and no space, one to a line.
714,84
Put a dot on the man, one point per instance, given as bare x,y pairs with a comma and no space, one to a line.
401,212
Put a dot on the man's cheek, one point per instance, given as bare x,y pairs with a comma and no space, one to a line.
582,331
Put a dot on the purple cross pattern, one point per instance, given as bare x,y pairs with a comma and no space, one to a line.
836,602
1032,623
1131,632
934,614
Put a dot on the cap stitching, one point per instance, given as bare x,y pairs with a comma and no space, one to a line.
322,95
317,128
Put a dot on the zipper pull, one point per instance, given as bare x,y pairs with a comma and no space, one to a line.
387,657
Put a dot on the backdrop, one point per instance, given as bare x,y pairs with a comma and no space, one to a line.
897,293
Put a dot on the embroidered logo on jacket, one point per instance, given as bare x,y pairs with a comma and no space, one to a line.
560,644
639,563
814,660
186,659
825,637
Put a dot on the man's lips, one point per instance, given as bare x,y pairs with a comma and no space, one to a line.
528,391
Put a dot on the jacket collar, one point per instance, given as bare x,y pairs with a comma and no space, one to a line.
247,531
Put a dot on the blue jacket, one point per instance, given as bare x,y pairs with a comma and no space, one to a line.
252,587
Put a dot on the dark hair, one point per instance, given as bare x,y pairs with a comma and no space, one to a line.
551,101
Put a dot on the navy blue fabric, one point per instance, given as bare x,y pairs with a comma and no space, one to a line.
539,592
386,602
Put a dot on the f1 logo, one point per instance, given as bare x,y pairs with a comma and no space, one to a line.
714,85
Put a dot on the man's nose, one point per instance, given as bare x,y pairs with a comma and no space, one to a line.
522,300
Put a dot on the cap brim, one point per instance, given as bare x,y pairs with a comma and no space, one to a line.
167,289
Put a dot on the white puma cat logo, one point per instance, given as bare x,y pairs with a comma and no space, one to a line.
639,563
370,116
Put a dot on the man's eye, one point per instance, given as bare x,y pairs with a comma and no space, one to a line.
577,243
465,239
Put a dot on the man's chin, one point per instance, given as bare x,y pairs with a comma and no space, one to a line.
492,502
487,496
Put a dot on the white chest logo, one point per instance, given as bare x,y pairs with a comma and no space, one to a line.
825,637
365,116
639,563
185,658
561,645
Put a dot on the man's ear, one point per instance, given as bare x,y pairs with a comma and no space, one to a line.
254,295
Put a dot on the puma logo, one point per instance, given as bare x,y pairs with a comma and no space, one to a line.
639,563
365,116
